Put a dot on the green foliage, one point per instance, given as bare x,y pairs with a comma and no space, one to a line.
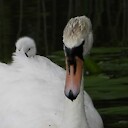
101,87
91,67
115,117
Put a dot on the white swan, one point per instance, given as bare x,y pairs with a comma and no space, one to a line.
33,96
26,45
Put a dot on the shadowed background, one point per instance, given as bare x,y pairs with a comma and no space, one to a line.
44,20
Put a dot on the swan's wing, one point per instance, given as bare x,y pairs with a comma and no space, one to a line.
30,94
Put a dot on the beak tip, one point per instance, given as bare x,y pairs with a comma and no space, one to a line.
70,95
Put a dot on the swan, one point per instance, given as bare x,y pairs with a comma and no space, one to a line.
26,45
40,94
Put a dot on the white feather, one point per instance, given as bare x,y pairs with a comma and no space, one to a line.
26,45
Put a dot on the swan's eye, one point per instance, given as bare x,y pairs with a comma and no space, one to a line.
29,49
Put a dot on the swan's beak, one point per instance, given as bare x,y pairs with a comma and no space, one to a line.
73,77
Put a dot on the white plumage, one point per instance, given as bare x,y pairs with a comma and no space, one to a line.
32,96
26,45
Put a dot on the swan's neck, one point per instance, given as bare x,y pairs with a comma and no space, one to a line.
74,113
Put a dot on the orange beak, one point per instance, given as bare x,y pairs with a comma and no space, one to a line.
73,78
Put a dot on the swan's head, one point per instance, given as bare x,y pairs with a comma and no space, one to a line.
77,39
26,45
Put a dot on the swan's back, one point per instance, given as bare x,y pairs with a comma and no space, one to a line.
30,95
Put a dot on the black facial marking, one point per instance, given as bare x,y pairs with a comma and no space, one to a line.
72,61
72,53
26,54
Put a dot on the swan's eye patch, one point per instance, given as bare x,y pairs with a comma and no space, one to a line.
76,51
